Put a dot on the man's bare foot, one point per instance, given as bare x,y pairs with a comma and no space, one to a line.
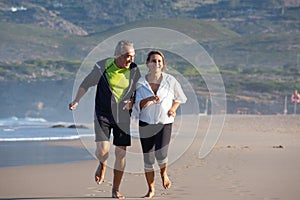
99,174
149,195
117,195
166,181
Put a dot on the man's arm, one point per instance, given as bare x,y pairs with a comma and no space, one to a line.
73,105
90,80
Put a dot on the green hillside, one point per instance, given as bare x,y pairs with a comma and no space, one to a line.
239,57
200,30
21,42
269,51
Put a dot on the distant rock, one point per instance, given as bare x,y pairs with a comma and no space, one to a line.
78,126
69,126
58,126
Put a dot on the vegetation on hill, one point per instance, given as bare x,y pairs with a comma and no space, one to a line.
92,16
34,70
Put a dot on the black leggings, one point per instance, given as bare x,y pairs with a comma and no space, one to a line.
155,139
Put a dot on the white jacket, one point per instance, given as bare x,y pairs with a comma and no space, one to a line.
168,92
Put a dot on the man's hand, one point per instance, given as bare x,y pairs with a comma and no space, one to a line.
128,104
73,105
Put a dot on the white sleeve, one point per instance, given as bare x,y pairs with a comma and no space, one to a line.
179,95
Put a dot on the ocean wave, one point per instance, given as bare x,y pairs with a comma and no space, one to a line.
73,137
39,132
30,119
14,121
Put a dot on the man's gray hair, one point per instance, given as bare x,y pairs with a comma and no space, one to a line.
120,46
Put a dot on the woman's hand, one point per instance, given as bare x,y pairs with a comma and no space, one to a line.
171,113
155,99
147,101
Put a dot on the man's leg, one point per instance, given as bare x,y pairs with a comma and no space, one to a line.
102,151
120,162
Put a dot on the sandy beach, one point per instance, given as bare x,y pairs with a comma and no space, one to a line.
256,157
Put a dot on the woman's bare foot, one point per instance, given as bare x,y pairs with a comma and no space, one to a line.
166,181
99,174
150,194
117,195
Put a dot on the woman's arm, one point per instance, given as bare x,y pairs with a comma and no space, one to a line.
146,102
172,111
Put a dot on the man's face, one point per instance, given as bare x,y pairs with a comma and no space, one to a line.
127,57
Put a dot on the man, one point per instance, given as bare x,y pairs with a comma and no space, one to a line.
116,79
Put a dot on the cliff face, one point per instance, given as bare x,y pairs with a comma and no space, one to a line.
52,21
29,13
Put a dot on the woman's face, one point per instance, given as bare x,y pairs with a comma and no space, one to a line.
155,64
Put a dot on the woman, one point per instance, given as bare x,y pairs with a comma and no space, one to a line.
158,96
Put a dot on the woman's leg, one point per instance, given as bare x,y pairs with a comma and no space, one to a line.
147,142
162,142
149,174
164,175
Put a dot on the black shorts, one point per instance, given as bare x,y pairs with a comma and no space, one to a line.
121,132
155,137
